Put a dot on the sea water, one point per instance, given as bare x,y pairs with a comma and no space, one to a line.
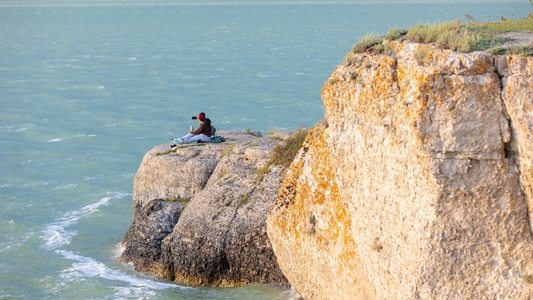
87,87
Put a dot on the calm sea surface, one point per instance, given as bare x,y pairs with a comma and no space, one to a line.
87,87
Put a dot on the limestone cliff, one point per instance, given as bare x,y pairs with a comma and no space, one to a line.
419,183
200,212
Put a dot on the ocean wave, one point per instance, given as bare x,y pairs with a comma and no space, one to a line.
126,285
66,187
59,139
80,87
56,233
17,128
88,267
117,250
56,140
133,293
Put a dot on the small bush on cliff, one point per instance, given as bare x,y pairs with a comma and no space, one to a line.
374,43
395,34
367,42
285,152
430,33
350,59
469,37
454,35
519,50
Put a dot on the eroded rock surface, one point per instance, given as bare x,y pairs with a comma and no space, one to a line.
200,212
418,185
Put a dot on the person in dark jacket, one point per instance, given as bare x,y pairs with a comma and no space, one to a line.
202,133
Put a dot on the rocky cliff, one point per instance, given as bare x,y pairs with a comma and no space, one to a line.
200,212
419,183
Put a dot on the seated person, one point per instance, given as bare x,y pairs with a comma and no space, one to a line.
203,133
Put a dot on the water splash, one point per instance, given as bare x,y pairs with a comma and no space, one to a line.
88,267
56,233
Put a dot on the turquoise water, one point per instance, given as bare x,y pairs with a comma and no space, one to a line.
87,87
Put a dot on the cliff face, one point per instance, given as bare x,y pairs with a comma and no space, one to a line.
418,185
200,212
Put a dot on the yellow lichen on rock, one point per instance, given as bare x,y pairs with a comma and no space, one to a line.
420,187
310,222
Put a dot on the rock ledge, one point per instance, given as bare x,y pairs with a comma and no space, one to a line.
200,212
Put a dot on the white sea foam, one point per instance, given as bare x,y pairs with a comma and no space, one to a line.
88,267
117,250
133,293
57,235
17,128
56,140
66,187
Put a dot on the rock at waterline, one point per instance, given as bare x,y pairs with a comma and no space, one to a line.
200,212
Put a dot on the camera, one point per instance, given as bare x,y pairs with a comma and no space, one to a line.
194,118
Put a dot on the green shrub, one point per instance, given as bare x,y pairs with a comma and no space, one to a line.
447,40
284,153
395,34
453,35
470,37
521,50
498,50
387,48
416,34
431,33
350,59
367,42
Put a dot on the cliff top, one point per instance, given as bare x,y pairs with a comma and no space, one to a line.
503,37
200,209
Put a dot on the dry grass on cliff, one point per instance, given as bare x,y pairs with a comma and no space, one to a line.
504,37
284,153
472,36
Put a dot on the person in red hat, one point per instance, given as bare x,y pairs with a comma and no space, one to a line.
202,133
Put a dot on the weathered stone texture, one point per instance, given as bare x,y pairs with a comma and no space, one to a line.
216,203
151,224
418,187
517,95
